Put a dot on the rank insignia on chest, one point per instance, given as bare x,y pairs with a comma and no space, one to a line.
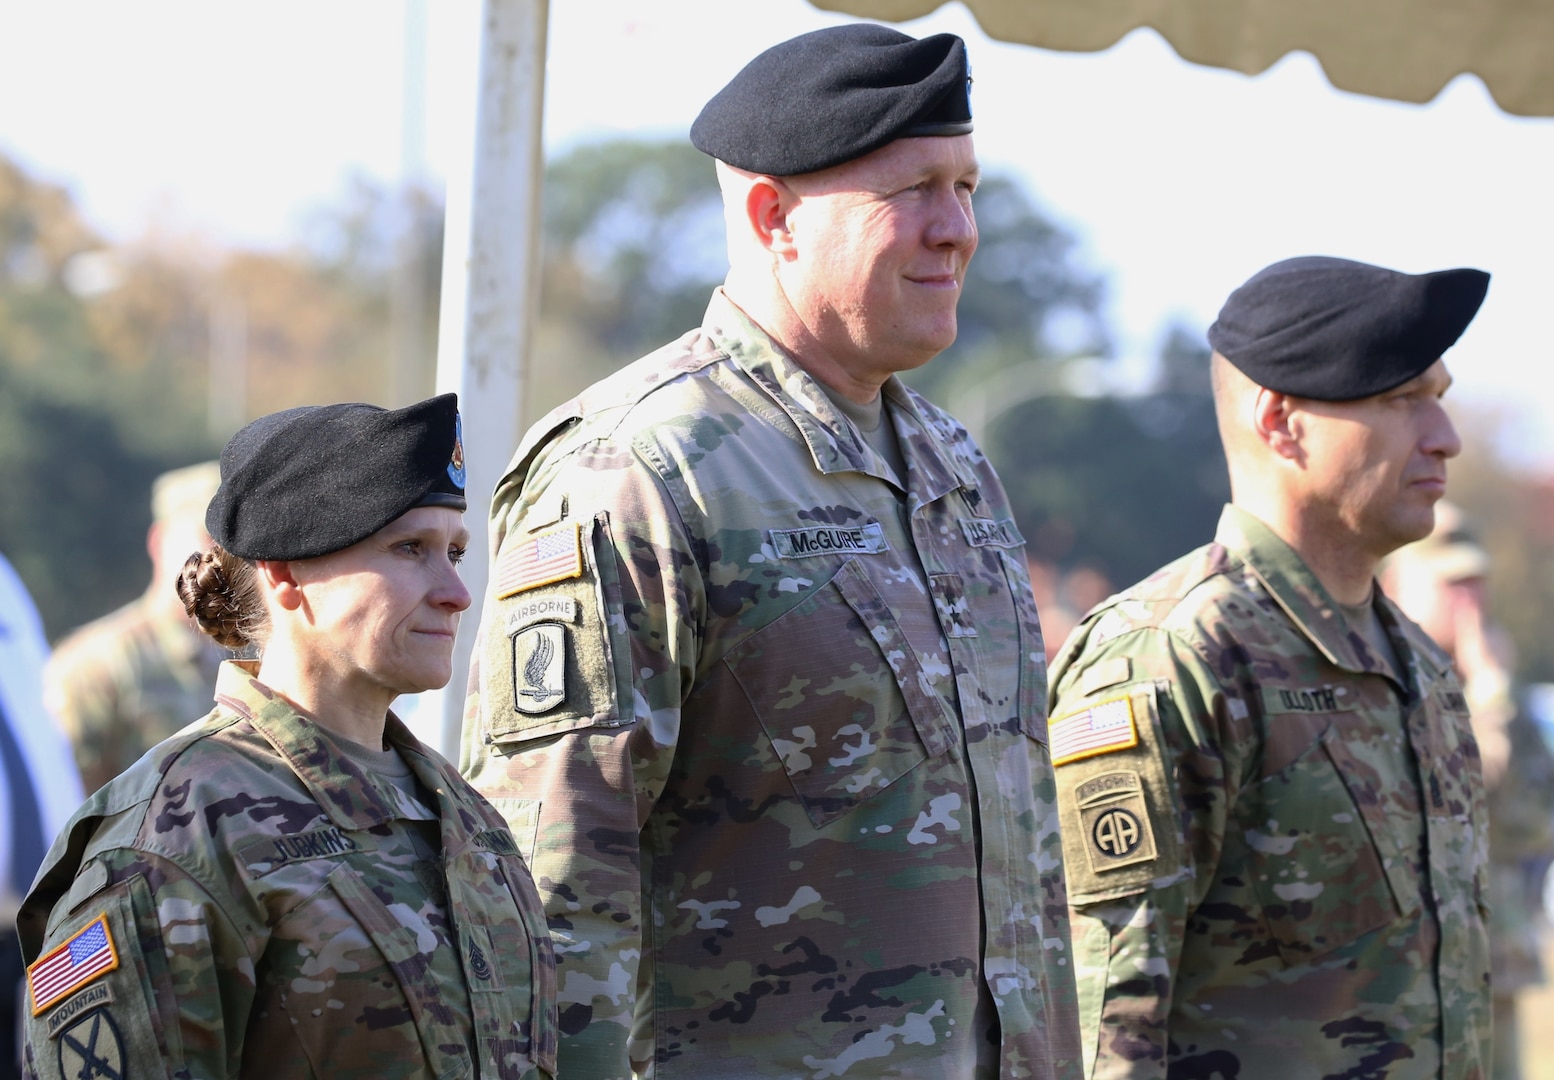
539,668
1101,728
87,954
541,559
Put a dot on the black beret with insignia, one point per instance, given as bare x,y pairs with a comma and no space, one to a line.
309,481
1338,330
833,95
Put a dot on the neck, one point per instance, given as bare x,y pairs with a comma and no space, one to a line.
358,712
1345,569
769,309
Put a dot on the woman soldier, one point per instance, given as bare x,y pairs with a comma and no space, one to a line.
295,886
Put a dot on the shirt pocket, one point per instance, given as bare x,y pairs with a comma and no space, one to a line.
354,961
1324,861
508,962
841,695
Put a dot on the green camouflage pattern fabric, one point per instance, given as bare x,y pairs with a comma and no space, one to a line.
775,752
123,683
275,912
1286,876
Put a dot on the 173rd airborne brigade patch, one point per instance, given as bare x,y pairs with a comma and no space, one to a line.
539,643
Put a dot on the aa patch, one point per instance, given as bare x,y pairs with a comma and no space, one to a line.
1101,728
92,1047
539,668
1115,821
541,559
86,955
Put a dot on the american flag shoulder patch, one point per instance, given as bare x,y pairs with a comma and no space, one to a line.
1100,728
87,954
541,558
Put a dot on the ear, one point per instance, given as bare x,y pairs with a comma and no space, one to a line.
280,582
767,205
1273,418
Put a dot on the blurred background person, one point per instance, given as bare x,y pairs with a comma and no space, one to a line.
38,787
1440,583
122,683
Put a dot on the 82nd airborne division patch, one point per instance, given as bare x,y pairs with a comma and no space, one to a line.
1114,821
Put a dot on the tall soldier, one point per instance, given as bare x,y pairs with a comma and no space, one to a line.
1273,816
761,686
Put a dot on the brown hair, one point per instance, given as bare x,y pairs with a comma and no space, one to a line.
221,593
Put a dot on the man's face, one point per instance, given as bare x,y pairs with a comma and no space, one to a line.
1376,467
881,249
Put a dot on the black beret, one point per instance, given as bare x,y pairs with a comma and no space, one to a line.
309,481
836,94
1338,330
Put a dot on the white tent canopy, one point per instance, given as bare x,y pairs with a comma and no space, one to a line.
1401,49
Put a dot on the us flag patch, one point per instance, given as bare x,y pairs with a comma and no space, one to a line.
85,955
546,557
1100,729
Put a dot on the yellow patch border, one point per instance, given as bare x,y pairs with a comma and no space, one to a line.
534,538
38,1007
1097,751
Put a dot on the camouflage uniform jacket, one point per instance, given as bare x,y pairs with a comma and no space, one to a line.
125,682
1276,845
772,732
267,915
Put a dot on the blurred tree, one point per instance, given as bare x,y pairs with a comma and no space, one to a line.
632,236
115,361
74,472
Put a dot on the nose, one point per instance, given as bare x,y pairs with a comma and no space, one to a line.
451,592
954,225
1441,436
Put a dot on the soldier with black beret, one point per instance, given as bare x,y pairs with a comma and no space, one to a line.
1273,808
294,885
760,681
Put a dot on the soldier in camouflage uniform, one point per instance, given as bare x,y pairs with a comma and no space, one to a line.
295,886
761,686
1441,582
1273,817
128,680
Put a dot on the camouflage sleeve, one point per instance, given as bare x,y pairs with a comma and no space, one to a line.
1143,792
575,714
139,965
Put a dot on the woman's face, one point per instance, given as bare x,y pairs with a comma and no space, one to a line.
382,613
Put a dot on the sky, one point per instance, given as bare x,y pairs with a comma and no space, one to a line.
233,121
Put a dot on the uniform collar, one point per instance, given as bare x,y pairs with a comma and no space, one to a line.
1304,599
834,441
351,799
